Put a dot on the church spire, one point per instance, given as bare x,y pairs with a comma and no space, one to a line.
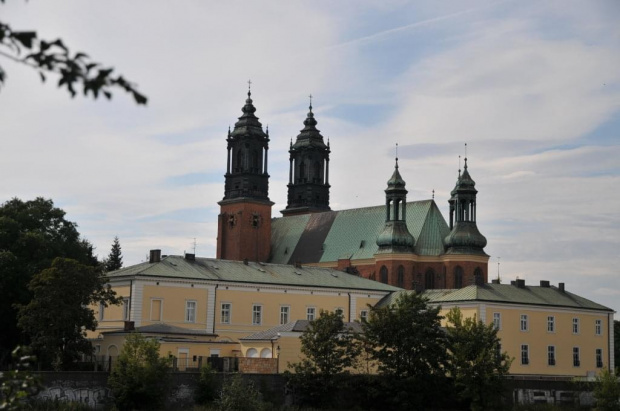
308,187
395,236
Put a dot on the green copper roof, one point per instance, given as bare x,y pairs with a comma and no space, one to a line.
210,269
329,236
506,293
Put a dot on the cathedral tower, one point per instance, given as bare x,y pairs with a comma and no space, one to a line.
244,223
308,186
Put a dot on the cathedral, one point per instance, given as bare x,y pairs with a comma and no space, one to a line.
404,244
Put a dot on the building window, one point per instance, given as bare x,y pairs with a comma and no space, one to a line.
478,277
383,274
524,325
364,315
551,324
310,313
575,325
525,354
429,279
284,314
576,361
101,310
401,276
551,355
157,306
257,314
190,311
458,277
225,313
126,307
598,327
599,358
497,321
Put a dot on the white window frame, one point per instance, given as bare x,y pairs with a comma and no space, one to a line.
285,314
190,313
101,310
126,308
310,312
576,357
598,327
551,355
363,315
525,322
227,310
525,354
599,358
257,314
497,321
161,309
575,325
551,324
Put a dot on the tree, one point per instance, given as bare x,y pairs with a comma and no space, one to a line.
410,349
115,259
475,361
32,234
139,379
607,391
54,57
237,395
329,350
617,339
57,317
17,383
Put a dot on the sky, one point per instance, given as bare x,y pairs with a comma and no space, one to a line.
532,87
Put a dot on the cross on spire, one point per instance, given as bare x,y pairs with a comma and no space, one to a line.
249,85
433,193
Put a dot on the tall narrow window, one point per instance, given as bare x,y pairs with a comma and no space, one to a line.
101,310
576,360
310,313
190,311
401,276
364,315
458,277
383,274
225,313
126,306
156,309
599,358
257,314
429,279
575,325
551,324
284,314
478,277
525,354
524,322
551,355
598,327
497,321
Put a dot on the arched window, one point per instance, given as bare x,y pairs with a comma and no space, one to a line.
302,172
239,166
429,279
317,172
458,277
255,162
383,274
401,276
251,353
478,277
265,353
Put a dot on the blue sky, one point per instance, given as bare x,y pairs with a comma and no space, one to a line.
532,87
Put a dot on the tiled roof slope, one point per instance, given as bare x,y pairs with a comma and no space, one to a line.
506,293
295,326
210,269
329,236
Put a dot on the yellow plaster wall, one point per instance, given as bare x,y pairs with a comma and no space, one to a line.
173,301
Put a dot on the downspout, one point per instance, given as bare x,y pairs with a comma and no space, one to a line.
349,294
214,306
130,300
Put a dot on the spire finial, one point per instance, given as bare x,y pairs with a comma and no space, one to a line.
249,88
433,193
396,155
310,96
459,166
498,278
465,167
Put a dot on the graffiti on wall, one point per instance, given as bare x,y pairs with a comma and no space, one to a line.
95,397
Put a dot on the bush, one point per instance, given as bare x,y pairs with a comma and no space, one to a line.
206,389
607,391
237,395
139,379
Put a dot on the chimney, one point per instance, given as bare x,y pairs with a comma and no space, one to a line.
129,326
155,256
544,283
520,283
190,257
561,286
495,281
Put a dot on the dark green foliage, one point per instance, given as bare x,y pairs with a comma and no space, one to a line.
607,391
17,384
74,69
475,362
238,395
329,351
617,339
206,389
32,234
115,258
57,317
410,350
57,405
139,379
